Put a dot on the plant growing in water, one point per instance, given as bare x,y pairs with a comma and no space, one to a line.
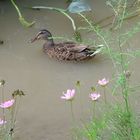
9,109
118,122
76,6
69,96
21,18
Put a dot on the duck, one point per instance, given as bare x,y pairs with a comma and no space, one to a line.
69,51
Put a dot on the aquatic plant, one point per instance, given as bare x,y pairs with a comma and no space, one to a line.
103,82
94,97
21,18
9,112
117,121
76,6
69,96
65,13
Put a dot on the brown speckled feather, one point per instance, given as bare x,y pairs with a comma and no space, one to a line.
67,51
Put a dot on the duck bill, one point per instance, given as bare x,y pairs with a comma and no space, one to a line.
34,39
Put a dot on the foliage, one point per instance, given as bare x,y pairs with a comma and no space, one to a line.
123,125
119,122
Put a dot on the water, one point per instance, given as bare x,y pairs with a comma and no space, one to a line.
24,66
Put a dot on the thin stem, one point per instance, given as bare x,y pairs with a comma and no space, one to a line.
21,18
94,109
71,107
125,18
77,34
81,102
123,13
3,99
17,105
14,111
88,131
18,11
64,12
124,85
105,95
10,128
103,20
101,36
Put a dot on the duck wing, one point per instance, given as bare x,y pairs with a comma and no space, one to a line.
71,47
77,48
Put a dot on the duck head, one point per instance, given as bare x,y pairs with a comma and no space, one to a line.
42,35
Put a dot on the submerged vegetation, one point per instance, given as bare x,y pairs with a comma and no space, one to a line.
117,121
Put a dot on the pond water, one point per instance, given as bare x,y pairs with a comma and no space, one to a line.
43,115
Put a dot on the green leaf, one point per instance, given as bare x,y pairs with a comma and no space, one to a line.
25,23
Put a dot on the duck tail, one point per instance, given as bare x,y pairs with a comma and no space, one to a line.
95,51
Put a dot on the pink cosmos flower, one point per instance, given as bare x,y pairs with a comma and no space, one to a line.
94,96
2,122
69,95
7,104
103,82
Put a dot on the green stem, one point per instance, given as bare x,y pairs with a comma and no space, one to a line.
77,35
81,102
90,135
94,109
64,12
18,11
129,16
105,95
123,69
71,107
21,18
17,105
10,131
124,85
3,110
123,13
101,36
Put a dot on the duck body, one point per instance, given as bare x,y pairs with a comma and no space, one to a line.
69,51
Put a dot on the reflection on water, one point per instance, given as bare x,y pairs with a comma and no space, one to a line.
24,66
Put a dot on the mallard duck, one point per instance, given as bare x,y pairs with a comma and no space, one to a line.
65,50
